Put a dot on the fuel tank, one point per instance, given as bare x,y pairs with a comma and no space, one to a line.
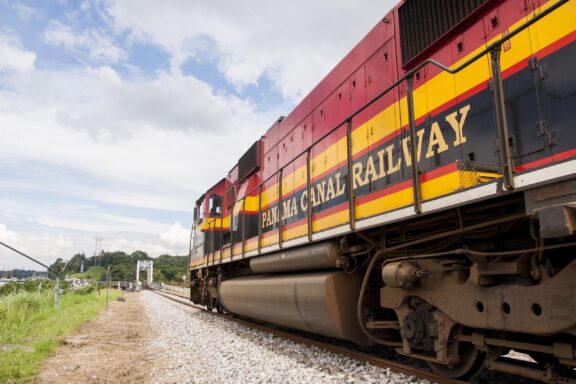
321,302
307,258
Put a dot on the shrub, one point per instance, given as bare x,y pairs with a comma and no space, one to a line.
86,290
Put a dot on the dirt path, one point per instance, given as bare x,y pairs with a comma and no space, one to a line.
113,348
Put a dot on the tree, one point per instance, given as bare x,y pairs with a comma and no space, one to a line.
75,263
139,255
58,265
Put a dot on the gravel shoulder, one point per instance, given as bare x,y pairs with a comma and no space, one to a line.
150,339
113,348
201,348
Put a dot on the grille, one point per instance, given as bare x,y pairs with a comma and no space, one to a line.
422,22
249,161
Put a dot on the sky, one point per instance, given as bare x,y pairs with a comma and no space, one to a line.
116,115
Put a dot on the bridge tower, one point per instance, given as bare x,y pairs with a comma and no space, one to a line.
148,265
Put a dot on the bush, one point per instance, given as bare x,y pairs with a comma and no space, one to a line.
86,290
10,288
37,285
29,286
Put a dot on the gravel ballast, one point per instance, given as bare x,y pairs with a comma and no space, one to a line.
199,348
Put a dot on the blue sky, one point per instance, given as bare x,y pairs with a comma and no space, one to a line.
116,115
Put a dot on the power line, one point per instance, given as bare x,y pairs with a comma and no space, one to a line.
30,258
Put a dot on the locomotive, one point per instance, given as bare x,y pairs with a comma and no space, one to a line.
422,197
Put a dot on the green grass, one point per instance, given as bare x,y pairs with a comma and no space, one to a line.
95,273
31,329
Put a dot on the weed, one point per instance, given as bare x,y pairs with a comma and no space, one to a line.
32,328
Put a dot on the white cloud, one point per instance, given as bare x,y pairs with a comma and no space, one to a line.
106,76
94,132
294,43
155,144
23,11
13,57
172,101
89,43
45,248
176,237
62,230
6,235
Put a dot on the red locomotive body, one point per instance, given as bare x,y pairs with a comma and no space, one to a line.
422,196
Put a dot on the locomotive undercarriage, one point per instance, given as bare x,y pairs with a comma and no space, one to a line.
457,289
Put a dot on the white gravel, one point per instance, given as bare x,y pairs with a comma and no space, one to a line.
200,348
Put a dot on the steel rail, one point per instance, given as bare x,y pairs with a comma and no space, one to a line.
361,356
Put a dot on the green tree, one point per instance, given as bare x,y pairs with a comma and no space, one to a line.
58,265
75,262
139,255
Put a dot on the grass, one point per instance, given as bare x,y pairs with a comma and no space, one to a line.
95,273
31,329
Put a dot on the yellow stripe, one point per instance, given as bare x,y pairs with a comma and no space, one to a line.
436,92
268,240
215,223
196,263
296,232
250,205
251,246
443,88
432,189
330,221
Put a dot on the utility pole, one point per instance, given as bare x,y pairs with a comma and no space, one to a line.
97,249
58,274
107,286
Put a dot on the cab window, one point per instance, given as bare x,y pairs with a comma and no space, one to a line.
199,212
215,206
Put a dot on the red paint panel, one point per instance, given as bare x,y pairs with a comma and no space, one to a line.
380,70
552,159
306,126
270,163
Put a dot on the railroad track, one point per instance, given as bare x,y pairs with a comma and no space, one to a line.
360,356
395,366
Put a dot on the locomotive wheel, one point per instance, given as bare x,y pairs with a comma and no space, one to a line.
471,362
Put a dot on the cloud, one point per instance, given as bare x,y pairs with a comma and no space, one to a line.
90,43
90,134
23,11
45,248
294,44
13,57
176,237
6,235
106,76
171,102
105,136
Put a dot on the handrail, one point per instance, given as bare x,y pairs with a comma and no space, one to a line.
411,73
505,157
351,197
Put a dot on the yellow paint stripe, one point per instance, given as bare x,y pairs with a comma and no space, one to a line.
432,189
195,263
268,240
441,89
330,221
251,246
435,93
296,232
215,223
